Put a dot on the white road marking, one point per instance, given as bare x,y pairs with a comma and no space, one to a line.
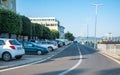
33,62
75,66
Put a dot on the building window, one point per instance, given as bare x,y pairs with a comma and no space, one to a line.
52,25
47,25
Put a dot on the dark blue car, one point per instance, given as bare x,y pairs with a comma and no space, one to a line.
32,48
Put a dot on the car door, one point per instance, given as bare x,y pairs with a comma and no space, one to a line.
29,47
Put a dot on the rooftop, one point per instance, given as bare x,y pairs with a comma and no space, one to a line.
42,18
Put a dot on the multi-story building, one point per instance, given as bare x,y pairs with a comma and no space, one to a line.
8,4
51,22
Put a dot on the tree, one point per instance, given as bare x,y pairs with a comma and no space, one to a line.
69,36
38,30
27,26
10,22
46,33
55,34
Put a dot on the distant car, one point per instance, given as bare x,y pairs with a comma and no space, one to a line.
48,44
32,48
10,49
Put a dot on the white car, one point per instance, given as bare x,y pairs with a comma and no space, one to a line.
10,49
48,44
65,41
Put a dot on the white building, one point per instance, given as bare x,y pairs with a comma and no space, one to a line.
8,4
51,22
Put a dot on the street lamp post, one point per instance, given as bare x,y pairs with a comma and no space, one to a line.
96,13
87,35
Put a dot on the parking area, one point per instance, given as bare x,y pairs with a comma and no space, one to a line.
26,59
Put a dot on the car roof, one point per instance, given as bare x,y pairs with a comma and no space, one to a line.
6,39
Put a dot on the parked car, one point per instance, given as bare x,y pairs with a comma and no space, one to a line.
10,49
48,44
32,48
60,43
65,41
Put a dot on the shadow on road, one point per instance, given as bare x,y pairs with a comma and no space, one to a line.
115,71
74,72
78,58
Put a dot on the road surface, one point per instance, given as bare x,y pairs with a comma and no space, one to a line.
74,60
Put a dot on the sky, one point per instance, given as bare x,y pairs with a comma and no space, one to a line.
77,16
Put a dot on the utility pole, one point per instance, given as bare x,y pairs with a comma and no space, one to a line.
96,14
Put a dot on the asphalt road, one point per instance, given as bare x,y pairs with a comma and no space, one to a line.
74,60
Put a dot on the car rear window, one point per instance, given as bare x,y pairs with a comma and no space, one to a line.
2,42
14,42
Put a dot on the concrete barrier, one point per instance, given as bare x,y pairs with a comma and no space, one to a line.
111,48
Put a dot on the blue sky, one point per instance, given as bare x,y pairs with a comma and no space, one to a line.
75,15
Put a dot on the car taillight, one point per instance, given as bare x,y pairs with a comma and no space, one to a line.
12,47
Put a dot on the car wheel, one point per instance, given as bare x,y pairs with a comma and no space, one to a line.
50,48
6,56
18,57
39,52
